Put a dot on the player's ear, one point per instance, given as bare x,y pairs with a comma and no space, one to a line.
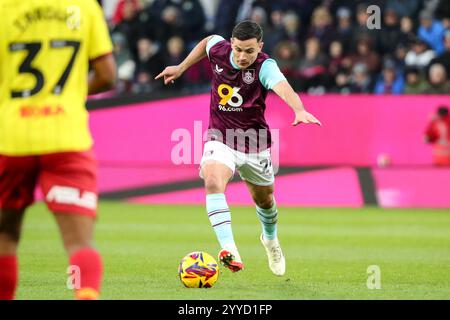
261,44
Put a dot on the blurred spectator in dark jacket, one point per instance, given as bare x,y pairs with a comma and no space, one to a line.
391,34
401,50
360,80
437,133
322,27
361,30
174,54
415,82
420,55
131,26
390,81
438,82
275,32
407,34
337,59
125,64
342,83
431,31
344,30
287,56
313,67
444,58
367,55
149,64
260,16
291,27
303,9
226,17
185,18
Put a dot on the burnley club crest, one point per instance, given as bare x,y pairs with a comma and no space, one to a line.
248,76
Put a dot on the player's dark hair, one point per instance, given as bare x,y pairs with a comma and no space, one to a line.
246,30
443,111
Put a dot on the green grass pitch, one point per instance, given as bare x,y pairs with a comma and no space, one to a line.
328,251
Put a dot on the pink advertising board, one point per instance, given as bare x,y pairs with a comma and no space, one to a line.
139,145
356,129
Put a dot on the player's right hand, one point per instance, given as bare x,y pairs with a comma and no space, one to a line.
170,74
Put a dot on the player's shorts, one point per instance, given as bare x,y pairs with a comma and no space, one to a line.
68,181
255,168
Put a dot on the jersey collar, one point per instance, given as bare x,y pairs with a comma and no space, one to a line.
235,66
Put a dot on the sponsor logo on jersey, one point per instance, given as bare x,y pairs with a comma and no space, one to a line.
231,100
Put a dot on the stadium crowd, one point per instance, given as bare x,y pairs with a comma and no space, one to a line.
322,46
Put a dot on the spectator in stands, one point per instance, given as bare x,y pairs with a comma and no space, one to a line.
342,83
444,58
337,60
366,54
312,70
438,82
437,134
420,55
287,55
391,81
391,34
322,27
124,61
274,32
360,80
401,50
407,34
302,8
415,82
291,27
124,9
226,17
130,25
361,30
149,62
431,31
344,28
175,53
169,24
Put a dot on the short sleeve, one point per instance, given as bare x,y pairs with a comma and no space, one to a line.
212,41
270,74
99,38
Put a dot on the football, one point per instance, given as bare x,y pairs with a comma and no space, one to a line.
198,270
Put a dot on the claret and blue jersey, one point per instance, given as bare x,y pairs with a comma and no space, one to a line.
238,95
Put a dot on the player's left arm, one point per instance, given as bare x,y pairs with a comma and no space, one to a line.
273,79
284,90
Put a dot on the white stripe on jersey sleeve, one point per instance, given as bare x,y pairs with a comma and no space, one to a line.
212,41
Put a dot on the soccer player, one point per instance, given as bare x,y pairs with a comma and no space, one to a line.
238,135
437,134
45,50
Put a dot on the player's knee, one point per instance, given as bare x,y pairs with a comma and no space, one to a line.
10,228
214,184
265,202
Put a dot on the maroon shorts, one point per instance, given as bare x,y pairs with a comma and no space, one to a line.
68,181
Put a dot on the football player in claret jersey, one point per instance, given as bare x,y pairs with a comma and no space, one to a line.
46,47
238,134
